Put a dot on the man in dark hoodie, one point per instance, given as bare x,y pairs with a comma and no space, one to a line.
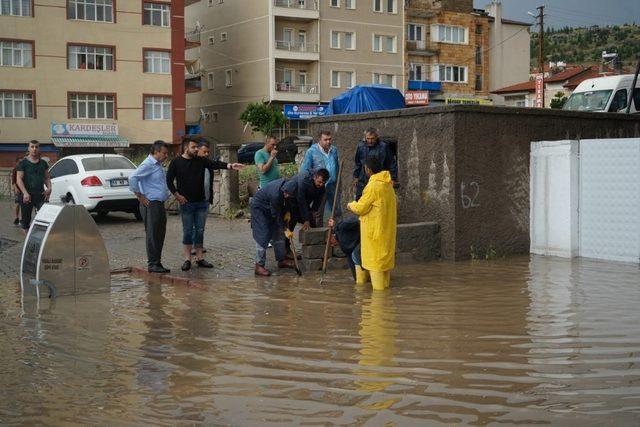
372,146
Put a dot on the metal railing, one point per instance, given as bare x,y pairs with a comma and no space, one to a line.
297,46
288,87
297,4
192,36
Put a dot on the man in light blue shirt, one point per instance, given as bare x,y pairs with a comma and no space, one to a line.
324,155
149,184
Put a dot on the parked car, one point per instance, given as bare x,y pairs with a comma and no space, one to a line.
286,150
605,94
99,182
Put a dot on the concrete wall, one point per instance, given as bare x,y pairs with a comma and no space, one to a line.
467,167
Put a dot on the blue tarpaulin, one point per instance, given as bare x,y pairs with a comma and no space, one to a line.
364,98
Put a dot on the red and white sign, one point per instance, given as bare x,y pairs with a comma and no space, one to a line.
539,90
416,97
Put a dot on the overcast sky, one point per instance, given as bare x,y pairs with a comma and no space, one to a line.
573,13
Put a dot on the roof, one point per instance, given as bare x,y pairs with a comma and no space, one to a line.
592,73
530,86
511,22
90,141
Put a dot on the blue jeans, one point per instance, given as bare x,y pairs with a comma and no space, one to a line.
194,217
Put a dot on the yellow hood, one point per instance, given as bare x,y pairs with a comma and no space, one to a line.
382,176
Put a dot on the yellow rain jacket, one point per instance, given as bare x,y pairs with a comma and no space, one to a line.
377,211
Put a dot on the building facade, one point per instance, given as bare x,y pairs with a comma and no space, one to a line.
447,50
90,74
293,54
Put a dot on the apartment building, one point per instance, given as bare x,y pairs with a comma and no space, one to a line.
447,50
294,54
87,75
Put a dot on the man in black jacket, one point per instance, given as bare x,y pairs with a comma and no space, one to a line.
372,146
188,171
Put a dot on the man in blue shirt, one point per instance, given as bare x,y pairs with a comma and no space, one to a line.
324,155
149,184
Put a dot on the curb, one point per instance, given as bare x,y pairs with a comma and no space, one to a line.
142,273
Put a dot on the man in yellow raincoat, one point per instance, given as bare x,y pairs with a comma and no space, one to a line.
377,211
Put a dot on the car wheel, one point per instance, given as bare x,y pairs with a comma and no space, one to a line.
138,215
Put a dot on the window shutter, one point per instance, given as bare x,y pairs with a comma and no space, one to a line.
434,33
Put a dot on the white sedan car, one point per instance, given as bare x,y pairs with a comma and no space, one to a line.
99,182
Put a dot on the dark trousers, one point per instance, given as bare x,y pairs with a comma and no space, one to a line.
155,227
26,209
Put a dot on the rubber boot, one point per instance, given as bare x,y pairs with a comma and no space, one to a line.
380,280
362,276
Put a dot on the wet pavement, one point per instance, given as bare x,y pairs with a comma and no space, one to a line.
526,340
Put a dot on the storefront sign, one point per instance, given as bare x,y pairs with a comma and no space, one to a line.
416,97
304,111
472,101
540,90
83,129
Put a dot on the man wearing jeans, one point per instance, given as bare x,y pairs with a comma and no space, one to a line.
149,184
188,172
31,177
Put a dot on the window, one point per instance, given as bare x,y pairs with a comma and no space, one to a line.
417,72
450,73
415,32
391,6
16,7
350,4
17,105
479,55
156,14
90,58
157,108
156,61
386,42
384,79
228,75
104,163
449,34
224,37
90,10
350,41
210,81
335,40
619,101
16,54
334,3
377,5
63,168
91,106
212,40
209,3
478,29
348,79
335,78
479,82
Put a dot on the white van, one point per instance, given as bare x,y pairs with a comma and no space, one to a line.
605,94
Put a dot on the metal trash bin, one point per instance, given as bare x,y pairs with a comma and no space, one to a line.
64,254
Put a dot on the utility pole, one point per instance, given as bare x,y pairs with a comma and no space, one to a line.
541,47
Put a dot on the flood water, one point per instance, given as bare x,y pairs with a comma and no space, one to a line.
517,341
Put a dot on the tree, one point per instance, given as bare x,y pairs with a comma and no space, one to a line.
262,118
558,100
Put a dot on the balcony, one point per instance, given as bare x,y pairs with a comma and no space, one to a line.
192,38
305,10
420,48
296,51
297,93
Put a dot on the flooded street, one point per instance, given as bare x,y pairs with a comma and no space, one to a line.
516,341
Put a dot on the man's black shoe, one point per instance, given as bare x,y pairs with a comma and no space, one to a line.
186,265
158,269
204,263
16,221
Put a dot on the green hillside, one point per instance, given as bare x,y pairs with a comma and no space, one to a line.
585,45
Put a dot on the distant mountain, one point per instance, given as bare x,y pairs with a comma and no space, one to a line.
584,46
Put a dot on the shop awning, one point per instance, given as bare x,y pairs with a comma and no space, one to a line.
90,141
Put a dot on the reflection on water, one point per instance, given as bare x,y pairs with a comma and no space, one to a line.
524,340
